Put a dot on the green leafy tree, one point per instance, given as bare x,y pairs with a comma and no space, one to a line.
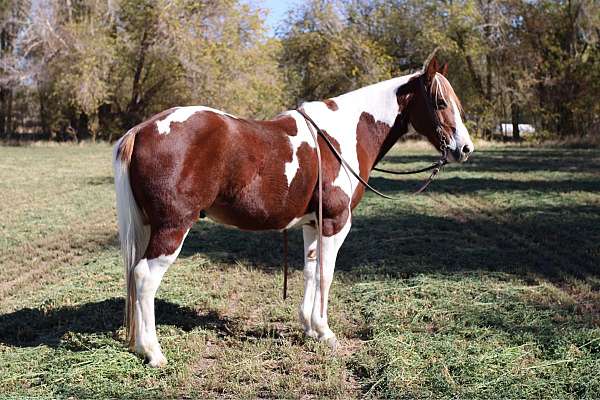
323,55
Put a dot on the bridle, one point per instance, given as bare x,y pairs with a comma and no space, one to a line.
317,131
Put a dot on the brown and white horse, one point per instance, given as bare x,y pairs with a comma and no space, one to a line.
260,175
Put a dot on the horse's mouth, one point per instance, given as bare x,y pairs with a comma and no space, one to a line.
458,156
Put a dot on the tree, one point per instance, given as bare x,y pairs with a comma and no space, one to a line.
323,55
11,23
95,68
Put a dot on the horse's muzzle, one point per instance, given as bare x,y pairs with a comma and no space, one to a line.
462,153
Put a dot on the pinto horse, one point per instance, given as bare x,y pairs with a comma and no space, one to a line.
262,175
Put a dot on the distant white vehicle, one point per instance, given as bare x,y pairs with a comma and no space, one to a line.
507,129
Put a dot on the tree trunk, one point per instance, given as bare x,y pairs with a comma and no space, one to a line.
45,126
2,116
566,124
83,130
514,116
488,89
8,114
3,90
132,114
105,121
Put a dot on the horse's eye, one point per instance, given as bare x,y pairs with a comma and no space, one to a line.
440,104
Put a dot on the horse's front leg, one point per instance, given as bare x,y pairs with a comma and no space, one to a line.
315,324
310,280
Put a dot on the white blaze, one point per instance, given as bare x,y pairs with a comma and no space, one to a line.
461,137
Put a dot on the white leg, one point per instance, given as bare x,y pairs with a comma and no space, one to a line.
331,246
310,270
148,275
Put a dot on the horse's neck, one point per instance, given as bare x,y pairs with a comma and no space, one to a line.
376,112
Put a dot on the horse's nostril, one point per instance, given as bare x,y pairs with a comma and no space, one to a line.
466,149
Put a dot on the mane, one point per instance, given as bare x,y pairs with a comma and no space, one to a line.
441,89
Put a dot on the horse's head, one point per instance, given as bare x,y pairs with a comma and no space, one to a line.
434,111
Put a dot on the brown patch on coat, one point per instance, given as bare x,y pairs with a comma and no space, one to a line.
373,141
331,104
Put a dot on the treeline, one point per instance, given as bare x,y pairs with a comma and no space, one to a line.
79,69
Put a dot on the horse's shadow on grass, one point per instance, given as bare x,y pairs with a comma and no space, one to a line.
553,243
100,180
517,160
30,327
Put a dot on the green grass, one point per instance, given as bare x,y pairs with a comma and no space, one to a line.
487,286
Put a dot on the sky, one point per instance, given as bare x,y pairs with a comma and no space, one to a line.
277,11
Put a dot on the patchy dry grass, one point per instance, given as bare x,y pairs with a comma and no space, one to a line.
486,287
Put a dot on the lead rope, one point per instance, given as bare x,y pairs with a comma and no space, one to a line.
320,216
285,262
311,124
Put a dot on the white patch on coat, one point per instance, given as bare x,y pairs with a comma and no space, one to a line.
181,114
148,275
378,100
303,135
300,221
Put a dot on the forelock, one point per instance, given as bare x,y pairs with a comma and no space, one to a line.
441,89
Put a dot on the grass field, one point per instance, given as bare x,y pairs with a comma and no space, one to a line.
487,286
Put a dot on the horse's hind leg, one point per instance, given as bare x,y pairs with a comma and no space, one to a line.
163,248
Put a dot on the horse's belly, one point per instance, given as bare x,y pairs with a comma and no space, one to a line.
257,218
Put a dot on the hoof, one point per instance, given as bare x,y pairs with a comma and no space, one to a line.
311,334
153,357
331,342
157,360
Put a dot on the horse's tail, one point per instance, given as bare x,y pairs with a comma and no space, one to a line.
133,233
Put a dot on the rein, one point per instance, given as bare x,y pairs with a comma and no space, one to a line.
435,168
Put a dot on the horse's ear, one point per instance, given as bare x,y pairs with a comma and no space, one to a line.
431,69
444,69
